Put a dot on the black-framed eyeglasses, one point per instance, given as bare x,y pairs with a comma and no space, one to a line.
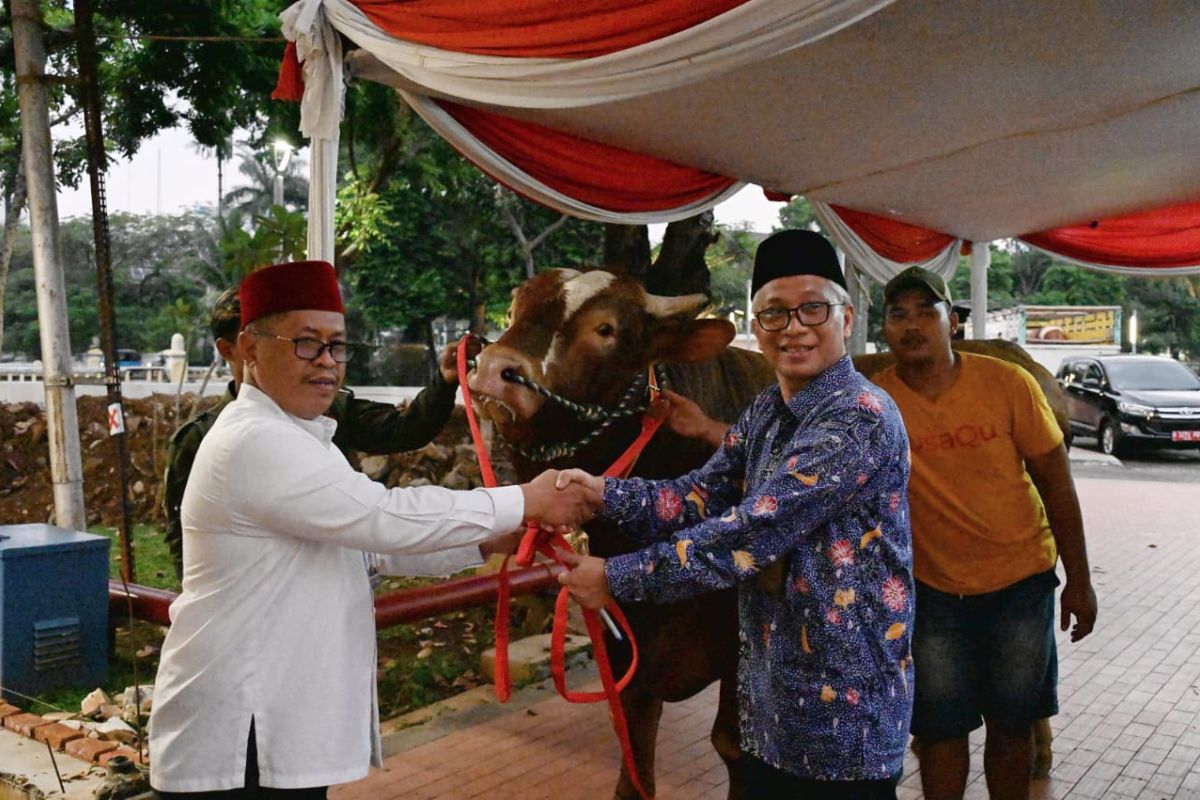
810,314
310,349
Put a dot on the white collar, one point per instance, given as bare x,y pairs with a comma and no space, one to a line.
321,427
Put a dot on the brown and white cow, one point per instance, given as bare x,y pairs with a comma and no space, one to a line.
588,337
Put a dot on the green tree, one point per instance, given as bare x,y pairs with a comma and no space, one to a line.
731,263
446,247
256,198
208,65
798,213
159,262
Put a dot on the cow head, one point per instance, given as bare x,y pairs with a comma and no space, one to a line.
585,336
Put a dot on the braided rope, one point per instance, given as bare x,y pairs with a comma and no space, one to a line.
626,407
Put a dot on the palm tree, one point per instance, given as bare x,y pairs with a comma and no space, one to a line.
255,199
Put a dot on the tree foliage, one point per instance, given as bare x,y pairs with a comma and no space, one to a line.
162,274
731,264
445,246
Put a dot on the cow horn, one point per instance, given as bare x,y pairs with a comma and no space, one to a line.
662,306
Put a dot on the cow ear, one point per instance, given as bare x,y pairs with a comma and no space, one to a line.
691,340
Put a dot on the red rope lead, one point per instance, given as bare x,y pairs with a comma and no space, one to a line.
550,545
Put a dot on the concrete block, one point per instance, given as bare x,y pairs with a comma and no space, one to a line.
529,658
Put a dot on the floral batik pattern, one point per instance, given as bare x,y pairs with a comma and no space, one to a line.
818,483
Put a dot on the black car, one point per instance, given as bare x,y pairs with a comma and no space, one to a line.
1129,401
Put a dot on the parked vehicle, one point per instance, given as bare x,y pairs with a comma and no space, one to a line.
1130,401
127,357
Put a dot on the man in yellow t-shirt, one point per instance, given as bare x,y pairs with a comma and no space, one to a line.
993,508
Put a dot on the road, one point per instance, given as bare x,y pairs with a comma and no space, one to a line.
1168,466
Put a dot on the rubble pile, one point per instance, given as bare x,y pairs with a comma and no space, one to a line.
104,728
26,494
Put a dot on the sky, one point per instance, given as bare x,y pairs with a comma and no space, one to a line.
168,175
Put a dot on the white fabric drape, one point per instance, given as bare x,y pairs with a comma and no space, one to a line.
753,31
513,176
868,261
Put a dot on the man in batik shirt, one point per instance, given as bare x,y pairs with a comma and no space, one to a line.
804,508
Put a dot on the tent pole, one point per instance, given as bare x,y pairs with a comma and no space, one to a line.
66,471
322,195
860,296
981,259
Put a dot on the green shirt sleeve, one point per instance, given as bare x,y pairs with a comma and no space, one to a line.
382,428
181,454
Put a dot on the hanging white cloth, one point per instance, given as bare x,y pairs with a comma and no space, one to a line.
880,269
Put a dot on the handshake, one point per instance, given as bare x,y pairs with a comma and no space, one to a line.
558,501
562,500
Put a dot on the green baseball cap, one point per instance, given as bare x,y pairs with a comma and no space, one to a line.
917,278
225,319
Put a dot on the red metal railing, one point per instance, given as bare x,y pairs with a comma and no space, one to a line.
395,608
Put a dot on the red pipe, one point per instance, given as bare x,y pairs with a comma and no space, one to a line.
148,604
396,608
410,605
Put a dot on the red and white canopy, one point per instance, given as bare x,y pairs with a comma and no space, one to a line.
913,127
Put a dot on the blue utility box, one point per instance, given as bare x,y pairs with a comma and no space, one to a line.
53,609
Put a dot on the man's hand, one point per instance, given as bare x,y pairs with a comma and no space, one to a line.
687,419
1079,599
593,484
586,580
560,510
448,363
501,544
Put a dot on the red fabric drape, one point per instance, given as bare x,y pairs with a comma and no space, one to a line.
892,239
1162,238
539,28
598,174
290,85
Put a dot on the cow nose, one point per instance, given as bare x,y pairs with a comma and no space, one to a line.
497,371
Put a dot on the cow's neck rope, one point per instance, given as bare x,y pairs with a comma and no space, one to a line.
536,541
628,406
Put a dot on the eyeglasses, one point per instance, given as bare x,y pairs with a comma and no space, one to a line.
812,313
310,349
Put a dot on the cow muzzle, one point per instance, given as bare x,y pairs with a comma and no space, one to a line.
495,394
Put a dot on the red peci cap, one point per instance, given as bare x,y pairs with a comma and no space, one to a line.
308,285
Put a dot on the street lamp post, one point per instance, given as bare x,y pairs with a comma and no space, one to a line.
283,156
1133,331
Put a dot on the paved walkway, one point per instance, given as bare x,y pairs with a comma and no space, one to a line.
1130,694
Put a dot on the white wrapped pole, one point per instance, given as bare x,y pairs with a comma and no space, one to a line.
322,197
981,259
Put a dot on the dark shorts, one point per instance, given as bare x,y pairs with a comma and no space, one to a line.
764,782
989,655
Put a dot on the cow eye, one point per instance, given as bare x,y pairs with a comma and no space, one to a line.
605,329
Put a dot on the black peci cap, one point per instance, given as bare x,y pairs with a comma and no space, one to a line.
795,252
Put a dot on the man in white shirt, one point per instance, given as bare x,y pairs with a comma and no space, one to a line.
276,610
